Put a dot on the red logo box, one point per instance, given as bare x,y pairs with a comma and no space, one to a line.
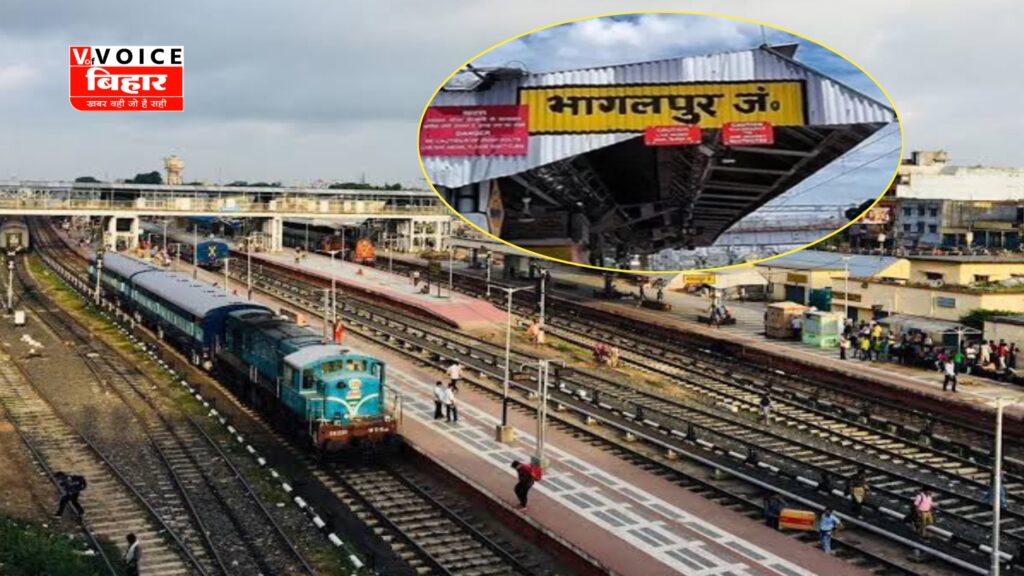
126,78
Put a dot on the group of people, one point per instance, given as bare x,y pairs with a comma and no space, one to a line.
870,341
446,406
446,397
71,487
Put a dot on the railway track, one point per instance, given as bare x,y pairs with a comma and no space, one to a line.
186,476
653,343
930,451
114,506
431,536
381,325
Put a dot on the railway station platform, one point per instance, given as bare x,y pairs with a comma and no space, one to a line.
624,519
974,394
455,308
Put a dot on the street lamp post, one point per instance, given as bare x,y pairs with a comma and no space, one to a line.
227,263
544,274
505,433
334,277
391,263
99,274
248,266
488,258
997,486
10,281
451,267
846,286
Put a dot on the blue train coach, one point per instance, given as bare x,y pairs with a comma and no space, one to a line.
335,395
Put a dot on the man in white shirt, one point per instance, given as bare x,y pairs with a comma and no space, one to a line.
455,374
439,396
949,374
452,408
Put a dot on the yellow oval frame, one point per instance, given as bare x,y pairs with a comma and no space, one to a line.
426,176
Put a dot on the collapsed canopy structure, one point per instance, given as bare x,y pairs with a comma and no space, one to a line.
607,163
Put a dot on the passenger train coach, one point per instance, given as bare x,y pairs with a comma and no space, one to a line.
334,395
14,235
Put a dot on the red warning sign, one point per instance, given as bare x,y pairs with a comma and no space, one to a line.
474,131
748,134
671,135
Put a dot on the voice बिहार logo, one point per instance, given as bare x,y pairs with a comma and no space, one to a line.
126,78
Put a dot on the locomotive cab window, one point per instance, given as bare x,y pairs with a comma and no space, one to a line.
308,381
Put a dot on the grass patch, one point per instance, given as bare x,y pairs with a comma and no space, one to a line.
29,549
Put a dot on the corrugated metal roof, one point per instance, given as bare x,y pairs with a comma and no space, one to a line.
124,266
196,298
828,102
861,266
308,354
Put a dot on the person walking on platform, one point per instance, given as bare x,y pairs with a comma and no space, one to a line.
526,478
71,487
132,556
451,403
415,278
774,504
924,515
844,346
828,523
857,489
439,395
948,374
455,374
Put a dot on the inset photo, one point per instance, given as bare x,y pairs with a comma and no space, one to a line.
659,142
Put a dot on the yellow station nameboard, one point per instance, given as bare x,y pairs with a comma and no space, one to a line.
634,107
699,278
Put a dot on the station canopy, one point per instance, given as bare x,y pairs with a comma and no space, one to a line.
635,158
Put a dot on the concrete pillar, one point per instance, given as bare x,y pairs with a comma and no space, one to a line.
133,230
273,234
110,238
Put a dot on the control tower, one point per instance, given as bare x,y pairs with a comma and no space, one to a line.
174,166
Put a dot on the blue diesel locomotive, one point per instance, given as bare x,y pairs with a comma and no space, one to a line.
203,250
334,395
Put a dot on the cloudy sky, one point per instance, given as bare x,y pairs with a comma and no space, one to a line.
304,90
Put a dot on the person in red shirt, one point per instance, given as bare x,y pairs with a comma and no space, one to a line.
526,477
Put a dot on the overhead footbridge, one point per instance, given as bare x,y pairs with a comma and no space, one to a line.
602,164
122,205
118,198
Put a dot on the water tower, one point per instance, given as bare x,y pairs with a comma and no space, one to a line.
174,166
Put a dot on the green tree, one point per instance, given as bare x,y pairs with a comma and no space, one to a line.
89,179
153,177
976,318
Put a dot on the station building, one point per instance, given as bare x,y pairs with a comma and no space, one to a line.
608,164
934,204
944,288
